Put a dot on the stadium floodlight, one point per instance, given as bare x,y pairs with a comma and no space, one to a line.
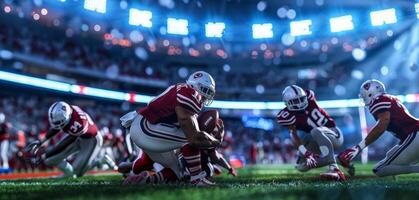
95,5
417,9
298,28
381,17
339,24
177,26
140,18
262,31
214,29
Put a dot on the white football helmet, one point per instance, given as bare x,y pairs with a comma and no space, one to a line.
59,114
295,98
371,89
2,118
203,83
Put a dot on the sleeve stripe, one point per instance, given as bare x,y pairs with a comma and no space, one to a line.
189,100
286,120
188,105
310,94
287,123
378,104
379,108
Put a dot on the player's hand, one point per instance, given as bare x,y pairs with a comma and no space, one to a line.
232,171
349,154
311,159
33,147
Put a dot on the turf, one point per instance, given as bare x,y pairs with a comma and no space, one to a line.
264,182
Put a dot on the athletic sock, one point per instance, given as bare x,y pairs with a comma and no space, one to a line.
142,163
192,157
164,176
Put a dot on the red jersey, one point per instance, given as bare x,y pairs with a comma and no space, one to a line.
402,123
4,131
162,108
305,120
80,124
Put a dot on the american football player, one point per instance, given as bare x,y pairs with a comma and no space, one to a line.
4,140
81,137
322,136
169,122
391,115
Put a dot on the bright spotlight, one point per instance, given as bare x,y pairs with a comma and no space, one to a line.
339,24
359,54
140,18
262,31
300,27
95,5
417,10
214,29
381,17
177,26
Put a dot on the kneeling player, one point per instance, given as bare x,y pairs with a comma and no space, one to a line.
391,115
302,113
82,138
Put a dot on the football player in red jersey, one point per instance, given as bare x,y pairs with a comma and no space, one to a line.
82,138
303,114
391,115
169,122
4,141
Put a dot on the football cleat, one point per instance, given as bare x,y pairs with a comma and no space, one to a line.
140,179
349,166
335,175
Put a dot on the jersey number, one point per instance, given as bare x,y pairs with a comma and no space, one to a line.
76,125
316,118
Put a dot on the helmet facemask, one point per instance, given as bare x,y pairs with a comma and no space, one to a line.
296,104
207,92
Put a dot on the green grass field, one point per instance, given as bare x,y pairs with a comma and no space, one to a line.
267,182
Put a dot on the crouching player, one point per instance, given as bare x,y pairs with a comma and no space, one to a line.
81,138
391,115
168,123
322,136
209,159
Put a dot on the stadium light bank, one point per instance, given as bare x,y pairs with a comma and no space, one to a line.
139,98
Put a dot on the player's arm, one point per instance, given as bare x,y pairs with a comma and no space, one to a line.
378,129
64,143
383,120
33,147
189,125
219,159
310,157
50,133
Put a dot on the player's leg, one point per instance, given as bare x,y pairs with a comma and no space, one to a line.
4,150
401,159
59,159
88,151
192,157
326,140
171,172
156,137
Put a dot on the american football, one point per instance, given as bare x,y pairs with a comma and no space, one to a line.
220,99
208,120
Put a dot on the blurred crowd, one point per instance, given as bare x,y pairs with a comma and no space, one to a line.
86,52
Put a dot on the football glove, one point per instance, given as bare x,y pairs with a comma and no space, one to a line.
33,147
311,159
349,154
